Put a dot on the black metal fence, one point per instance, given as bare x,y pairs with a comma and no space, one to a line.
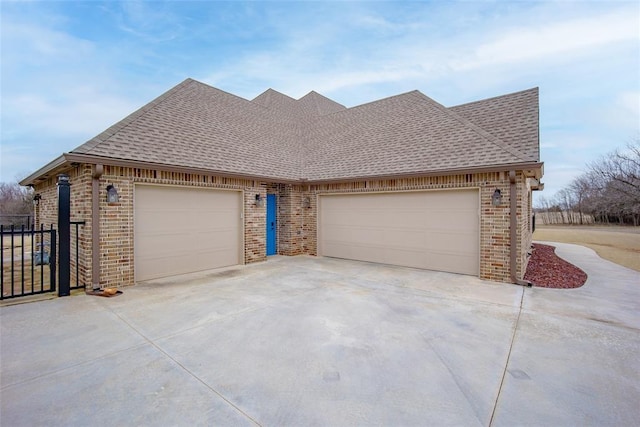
28,261
38,261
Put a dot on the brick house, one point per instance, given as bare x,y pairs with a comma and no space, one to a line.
206,179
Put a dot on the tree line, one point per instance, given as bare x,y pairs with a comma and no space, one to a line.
608,192
16,205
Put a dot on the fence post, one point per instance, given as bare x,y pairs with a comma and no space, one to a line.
53,260
64,230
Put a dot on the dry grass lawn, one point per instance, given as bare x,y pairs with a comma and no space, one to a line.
615,243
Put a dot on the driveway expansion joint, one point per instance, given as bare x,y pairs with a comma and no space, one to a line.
506,364
185,369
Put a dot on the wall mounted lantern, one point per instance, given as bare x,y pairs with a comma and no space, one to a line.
36,199
496,199
112,194
306,202
259,201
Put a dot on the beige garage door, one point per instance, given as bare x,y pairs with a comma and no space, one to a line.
182,230
435,230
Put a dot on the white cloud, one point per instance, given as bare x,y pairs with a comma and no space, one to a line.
628,104
541,42
151,21
80,113
300,62
71,85
620,113
71,95
37,44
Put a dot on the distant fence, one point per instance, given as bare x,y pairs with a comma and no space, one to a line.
17,220
569,217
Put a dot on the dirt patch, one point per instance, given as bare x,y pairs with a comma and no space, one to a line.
614,243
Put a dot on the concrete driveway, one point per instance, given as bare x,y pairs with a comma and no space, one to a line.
318,341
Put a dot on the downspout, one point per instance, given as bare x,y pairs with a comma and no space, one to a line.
95,227
513,239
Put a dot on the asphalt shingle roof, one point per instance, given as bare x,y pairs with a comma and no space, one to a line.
513,118
315,138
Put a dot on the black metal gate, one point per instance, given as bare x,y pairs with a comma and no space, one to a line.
40,261
28,261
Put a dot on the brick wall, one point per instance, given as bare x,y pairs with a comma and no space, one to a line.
116,219
526,233
296,207
116,228
47,214
255,217
296,215
289,220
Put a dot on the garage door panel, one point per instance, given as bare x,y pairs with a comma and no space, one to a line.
223,257
449,220
184,229
452,262
405,258
180,247
405,238
364,236
156,221
436,230
339,250
368,252
214,217
454,241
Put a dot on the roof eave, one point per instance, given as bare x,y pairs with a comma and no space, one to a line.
110,161
529,169
46,170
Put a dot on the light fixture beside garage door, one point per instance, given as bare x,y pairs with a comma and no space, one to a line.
112,194
259,201
496,199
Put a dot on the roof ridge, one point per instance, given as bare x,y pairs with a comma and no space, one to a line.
319,103
535,88
219,90
131,118
268,93
489,137
272,90
383,99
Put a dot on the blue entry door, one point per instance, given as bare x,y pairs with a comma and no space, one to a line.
271,224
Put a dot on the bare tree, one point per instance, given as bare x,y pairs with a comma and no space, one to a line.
616,181
541,203
608,191
565,199
622,167
580,188
16,204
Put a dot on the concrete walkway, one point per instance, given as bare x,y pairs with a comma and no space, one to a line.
575,358
318,341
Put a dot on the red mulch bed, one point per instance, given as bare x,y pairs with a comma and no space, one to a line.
547,270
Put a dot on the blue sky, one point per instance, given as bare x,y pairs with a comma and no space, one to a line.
70,69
